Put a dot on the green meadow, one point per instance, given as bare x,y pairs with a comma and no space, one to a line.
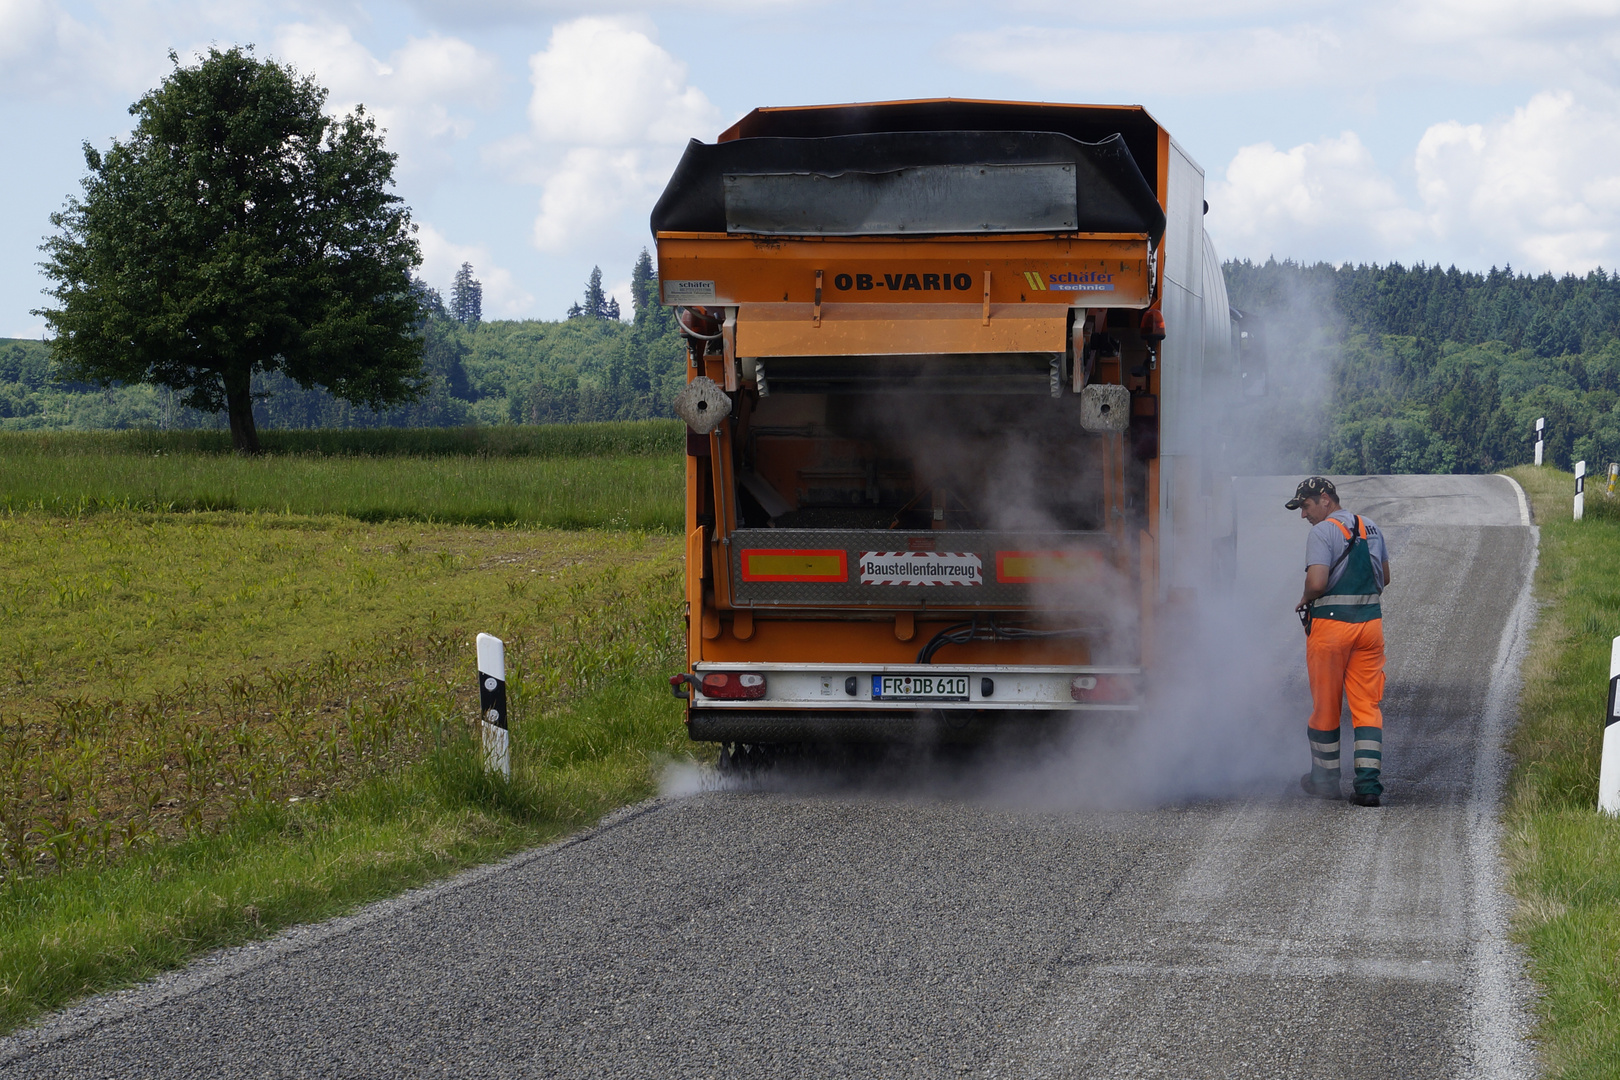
1565,856
237,694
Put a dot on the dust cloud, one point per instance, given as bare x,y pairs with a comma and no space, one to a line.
1227,702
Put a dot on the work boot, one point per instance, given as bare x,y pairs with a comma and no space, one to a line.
1369,759
1320,787
1322,782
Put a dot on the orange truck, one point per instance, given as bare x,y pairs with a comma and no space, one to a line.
953,373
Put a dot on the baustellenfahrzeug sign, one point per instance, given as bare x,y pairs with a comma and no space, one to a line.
921,568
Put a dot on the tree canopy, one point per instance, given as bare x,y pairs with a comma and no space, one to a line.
239,231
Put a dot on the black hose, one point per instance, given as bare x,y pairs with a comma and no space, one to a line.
951,635
989,630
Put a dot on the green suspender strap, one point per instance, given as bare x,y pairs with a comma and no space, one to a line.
1355,596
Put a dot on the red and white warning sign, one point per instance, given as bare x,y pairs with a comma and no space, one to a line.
921,568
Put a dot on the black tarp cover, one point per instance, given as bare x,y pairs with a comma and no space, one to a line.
1111,193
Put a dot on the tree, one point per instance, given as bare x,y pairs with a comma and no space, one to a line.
239,231
428,300
612,309
595,303
643,287
467,297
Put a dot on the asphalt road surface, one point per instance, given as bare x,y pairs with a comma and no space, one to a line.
1162,903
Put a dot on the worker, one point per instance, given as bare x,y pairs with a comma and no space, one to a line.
1346,571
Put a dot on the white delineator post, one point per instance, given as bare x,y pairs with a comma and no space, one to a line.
1609,770
492,704
1614,470
1541,430
1580,490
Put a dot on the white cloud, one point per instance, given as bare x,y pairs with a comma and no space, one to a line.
1182,63
1540,188
1323,194
1543,183
461,12
609,113
45,51
602,82
591,188
441,258
1250,44
412,94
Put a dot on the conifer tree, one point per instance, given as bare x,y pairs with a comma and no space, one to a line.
467,297
595,303
643,287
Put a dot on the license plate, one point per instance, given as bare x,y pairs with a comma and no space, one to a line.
919,687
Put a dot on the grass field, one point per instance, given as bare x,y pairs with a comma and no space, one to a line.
634,437
215,723
1564,856
629,482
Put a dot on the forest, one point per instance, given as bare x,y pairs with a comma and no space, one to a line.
1371,369
588,367
1392,369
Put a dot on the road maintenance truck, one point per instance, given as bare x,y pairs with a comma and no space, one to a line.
952,372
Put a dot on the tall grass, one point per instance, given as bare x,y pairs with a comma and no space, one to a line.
635,437
1565,856
214,725
163,673
623,491
91,928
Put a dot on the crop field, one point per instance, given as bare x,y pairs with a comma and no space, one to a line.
214,722
616,476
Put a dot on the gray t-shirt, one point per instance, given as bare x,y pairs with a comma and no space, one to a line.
1326,543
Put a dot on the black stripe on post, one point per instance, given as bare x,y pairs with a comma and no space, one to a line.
492,699
1609,716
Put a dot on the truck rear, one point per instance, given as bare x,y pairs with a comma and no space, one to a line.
950,365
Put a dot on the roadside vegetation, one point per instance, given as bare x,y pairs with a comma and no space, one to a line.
217,723
1564,855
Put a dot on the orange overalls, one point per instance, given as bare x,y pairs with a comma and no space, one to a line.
1344,654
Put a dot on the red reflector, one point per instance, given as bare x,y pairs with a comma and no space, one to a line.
1103,689
727,686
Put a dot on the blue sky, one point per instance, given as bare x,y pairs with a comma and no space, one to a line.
534,135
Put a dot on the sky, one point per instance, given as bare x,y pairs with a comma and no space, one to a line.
534,135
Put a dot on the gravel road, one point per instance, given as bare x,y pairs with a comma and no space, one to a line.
1164,904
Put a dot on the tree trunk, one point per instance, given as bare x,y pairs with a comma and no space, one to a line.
239,407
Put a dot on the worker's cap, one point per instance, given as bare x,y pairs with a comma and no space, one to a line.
1310,488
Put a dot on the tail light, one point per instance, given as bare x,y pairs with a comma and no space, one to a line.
727,686
1104,689
1152,325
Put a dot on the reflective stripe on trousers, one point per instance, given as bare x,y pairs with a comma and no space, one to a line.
1346,662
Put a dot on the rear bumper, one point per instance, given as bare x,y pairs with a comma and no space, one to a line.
835,703
770,726
848,687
